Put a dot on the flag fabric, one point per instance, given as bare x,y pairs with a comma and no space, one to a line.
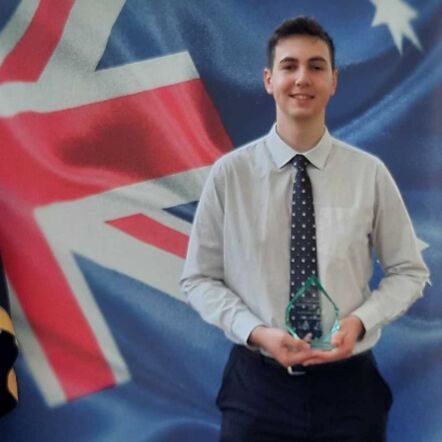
111,113
8,352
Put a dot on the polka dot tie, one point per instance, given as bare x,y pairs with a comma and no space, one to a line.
306,315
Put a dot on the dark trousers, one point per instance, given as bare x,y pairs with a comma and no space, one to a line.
346,401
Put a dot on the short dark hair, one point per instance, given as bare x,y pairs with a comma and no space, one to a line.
300,25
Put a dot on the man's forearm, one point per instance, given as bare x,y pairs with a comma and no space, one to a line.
220,306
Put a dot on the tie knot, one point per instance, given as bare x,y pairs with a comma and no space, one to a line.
300,162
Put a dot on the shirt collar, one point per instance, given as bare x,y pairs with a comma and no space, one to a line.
282,153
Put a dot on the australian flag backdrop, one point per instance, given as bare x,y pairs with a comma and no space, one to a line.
111,113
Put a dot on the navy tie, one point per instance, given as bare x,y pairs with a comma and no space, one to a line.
306,315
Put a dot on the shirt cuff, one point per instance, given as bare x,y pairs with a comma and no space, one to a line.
368,316
243,327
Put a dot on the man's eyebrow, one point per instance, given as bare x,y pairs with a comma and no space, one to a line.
288,60
317,58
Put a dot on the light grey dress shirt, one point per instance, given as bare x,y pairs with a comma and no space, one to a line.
237,269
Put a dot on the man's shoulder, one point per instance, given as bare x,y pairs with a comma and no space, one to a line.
242,156
349,152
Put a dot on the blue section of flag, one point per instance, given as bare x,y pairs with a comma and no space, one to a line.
7,9
184,211
410,363
175,361
174,358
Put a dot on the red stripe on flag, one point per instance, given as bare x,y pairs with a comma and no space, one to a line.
77,152
152,232
71,154
52,310
28,59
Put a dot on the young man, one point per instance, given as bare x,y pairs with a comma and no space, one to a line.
292,204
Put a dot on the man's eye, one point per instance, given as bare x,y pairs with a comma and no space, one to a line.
317,68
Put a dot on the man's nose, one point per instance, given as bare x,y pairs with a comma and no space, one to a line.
303,77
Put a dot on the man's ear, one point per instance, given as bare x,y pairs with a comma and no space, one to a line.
267,79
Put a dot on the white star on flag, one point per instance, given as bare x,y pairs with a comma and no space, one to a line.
397,15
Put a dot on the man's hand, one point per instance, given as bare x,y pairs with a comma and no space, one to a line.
344,341
280,345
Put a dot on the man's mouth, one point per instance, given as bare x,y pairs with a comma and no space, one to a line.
302,97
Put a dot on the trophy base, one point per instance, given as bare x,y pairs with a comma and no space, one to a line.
321,345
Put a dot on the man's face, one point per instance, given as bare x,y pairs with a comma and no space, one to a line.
301,80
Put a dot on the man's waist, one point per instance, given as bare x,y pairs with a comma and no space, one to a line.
350,363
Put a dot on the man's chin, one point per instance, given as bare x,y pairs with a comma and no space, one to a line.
302,115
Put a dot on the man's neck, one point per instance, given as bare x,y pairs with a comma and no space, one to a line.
300,136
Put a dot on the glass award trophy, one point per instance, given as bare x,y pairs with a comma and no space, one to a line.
313,315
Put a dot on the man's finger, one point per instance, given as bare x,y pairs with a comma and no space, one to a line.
308,337
312,361
322,356
296,344
300,357
338,338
